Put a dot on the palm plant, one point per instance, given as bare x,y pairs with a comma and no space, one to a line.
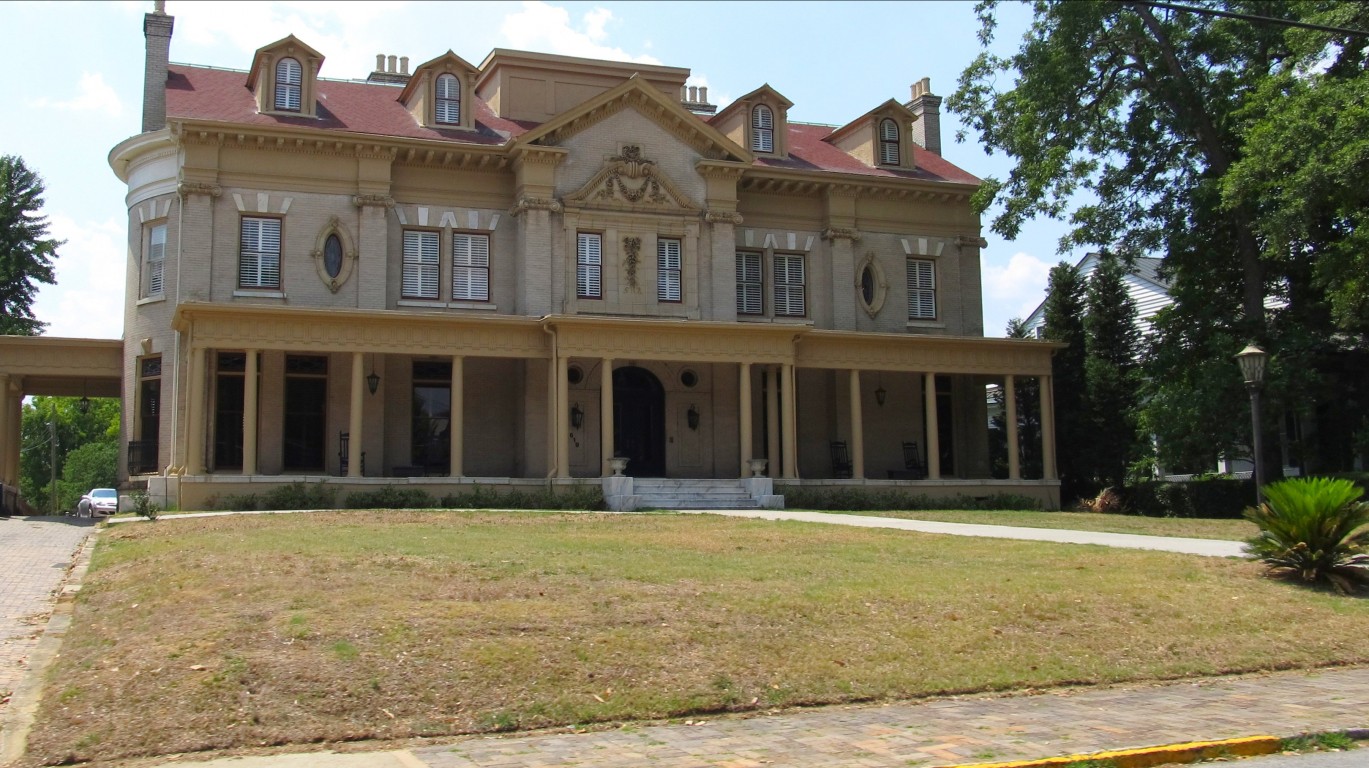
1313,529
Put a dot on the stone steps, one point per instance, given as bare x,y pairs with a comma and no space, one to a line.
669,493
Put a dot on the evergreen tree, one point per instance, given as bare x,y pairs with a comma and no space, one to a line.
1064,322
26,252
1110,371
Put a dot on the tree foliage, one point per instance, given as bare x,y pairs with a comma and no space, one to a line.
1233,149
1027,390
26,251
1112,346
1064,322
99,425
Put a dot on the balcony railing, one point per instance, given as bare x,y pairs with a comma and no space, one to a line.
142,457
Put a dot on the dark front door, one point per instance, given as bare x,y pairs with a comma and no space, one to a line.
305,416
639,421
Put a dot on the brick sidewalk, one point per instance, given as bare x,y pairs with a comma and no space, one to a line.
35,553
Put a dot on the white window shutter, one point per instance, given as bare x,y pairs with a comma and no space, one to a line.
921,290
259,257
156,259
470,267
589,258
420,265
667,270
749,284
448,102
289,78
762,129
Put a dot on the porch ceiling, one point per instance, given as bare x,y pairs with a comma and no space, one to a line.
51,365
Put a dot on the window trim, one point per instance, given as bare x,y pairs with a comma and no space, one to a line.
758,283
788,286
915,288
887,144
283,88
439,100
663,271
471,268
260,284
421,265
597,267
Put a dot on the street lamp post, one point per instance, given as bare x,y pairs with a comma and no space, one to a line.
1252,360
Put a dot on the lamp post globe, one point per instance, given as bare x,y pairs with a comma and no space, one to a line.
1252,361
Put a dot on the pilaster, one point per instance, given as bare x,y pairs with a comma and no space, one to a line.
372,249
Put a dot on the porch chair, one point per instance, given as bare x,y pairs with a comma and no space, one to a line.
344,456
912,462
841,460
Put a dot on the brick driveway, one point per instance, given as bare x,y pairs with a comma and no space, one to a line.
35,553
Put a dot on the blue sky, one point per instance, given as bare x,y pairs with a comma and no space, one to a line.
75,90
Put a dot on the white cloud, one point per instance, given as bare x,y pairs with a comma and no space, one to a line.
1020,285
88,299
541,26
94,95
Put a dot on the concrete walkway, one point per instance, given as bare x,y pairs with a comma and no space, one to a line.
934,732
1207,547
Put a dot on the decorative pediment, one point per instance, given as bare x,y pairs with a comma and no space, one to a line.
631,182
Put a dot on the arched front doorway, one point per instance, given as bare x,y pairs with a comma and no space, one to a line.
639,421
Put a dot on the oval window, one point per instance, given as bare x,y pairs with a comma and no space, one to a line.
867,285
689,378
332,255
574,375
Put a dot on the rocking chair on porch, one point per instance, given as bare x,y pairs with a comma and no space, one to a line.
841,461
344,455
913,466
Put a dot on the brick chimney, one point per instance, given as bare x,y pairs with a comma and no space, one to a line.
157,31
387,72
927,128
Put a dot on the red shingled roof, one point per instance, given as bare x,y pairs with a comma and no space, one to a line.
221,95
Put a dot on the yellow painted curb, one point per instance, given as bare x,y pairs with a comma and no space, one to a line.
1190,752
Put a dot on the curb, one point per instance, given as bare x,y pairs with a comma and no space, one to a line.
1145,757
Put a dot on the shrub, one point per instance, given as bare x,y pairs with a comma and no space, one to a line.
585,497
142,505
1313,529
1213,497
858,499
390,497
1107,502
299,496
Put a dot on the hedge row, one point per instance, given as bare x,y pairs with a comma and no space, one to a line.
855,499
320,496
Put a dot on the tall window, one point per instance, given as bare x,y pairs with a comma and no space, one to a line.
143,452
470,267
888,142
667,269
789,294
447,106
749,284
921,290
762,129
289,78
259,258
588,265
156,260
420,265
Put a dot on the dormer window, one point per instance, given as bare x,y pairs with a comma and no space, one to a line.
888,142
447,105
762,129
289,85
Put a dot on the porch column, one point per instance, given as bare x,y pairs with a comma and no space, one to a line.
194,427
1010,414
606,447
354,439
857,429
772,421
456,427
6,447
933,438
791,464
1047,428
744,417
249,415
560,420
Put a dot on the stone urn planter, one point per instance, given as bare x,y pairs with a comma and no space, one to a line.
618,464
757,466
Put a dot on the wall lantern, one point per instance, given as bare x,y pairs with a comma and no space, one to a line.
373,381
692,417
577,416
881,395
83,405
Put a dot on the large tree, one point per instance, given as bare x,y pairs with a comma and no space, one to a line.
1146,128
26,251
1112,346
1064,322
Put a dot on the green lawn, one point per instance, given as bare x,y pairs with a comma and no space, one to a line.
224,633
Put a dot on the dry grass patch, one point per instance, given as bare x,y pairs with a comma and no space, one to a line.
1189,528
227,633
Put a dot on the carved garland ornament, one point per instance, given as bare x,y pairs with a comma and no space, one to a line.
632,246
632,165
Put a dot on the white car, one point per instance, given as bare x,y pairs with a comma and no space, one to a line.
103,501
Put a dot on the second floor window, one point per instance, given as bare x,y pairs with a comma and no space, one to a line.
888,142
289,81
667,269
259,254
762,129
789,287
470,267
420,265
447,107
749,284
156,260
588,264
921,290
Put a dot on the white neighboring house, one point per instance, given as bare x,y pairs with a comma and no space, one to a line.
1147,289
